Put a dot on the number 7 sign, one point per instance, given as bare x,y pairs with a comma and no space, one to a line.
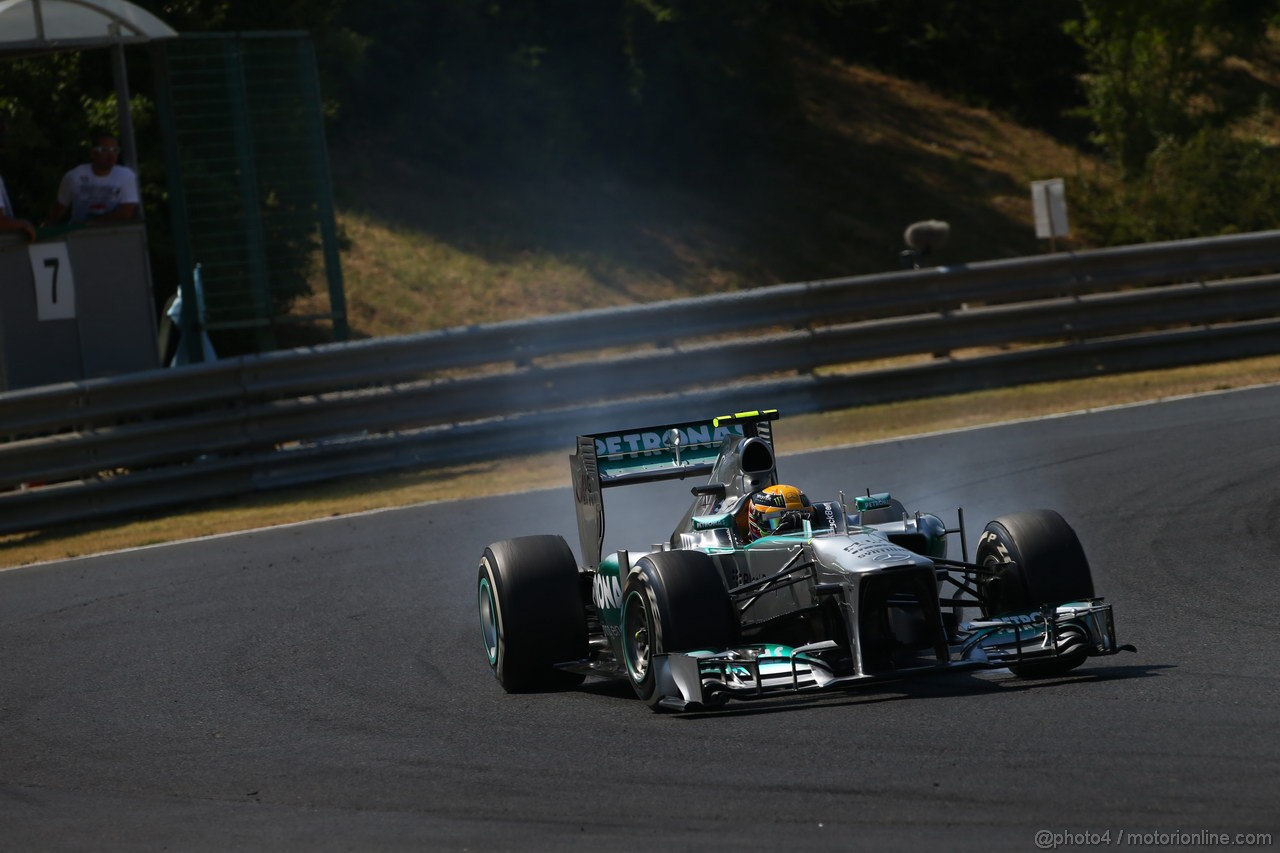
55,286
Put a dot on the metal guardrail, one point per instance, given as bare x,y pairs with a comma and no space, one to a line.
159,438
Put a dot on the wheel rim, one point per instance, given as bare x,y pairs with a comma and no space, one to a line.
636,632
993,588
488,620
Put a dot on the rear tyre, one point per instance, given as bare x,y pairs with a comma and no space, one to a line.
1049,567
531,612
672,601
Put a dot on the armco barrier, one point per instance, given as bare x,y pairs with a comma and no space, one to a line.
159,438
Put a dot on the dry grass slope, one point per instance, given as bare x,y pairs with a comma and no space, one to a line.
429,249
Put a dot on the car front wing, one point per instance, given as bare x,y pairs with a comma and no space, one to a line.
703,679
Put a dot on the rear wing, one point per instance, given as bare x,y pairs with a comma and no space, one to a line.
648,455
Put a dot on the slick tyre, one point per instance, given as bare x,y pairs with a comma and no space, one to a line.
531,612
1048,567
672,601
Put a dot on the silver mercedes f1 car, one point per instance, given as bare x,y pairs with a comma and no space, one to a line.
822,596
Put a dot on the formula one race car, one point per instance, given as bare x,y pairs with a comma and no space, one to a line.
760,592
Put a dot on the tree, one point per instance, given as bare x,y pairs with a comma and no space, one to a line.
1008,55
1156,68
1186,137
548,85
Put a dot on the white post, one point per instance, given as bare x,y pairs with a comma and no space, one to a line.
1049,204
124,112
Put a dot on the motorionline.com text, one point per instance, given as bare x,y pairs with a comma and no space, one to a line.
1050,840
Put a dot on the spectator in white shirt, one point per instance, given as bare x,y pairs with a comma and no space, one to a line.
100,191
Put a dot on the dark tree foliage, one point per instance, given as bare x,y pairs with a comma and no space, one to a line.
554,84
660,87
1158,69
1183,126
1215,182
1009,55
673,86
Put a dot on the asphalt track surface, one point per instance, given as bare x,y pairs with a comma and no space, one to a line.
323,687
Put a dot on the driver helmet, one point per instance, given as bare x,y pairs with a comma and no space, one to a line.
776,509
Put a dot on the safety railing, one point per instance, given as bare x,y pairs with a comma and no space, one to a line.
164,437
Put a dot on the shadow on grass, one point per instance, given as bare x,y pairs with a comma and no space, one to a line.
827,196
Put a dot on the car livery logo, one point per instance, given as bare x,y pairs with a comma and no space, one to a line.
1032,618
875,548
607,592
633,445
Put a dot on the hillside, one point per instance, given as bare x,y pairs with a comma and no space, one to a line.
429,249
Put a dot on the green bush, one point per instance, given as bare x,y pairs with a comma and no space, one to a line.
1216,182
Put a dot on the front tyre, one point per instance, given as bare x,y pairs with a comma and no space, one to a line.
1048,566
672,601
531,612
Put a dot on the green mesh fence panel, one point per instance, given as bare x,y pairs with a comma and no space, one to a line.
249,183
